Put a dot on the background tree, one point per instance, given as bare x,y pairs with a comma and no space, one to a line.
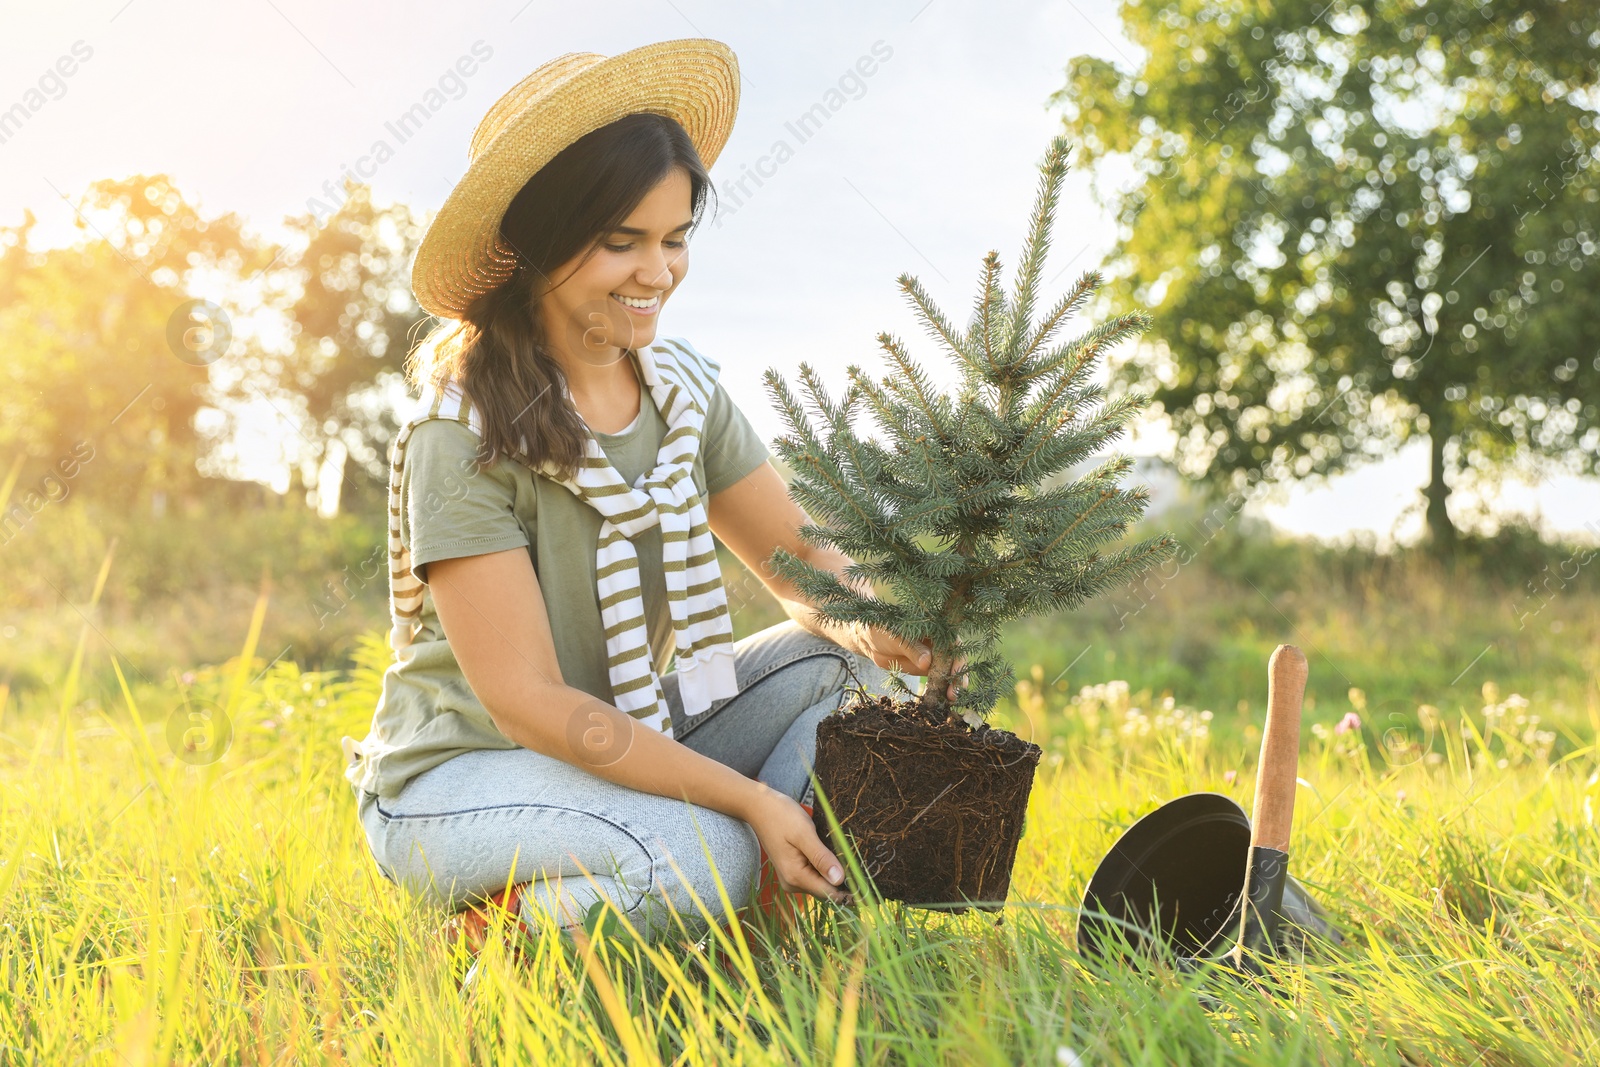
1355,223
318,329
346,291
85,331
949,512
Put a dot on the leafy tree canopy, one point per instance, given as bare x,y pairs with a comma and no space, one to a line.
1356,222
158,315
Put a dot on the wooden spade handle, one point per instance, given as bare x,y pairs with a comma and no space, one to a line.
1273,812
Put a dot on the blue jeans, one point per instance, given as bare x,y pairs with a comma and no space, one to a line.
470,825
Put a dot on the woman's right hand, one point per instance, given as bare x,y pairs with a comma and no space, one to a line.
800,859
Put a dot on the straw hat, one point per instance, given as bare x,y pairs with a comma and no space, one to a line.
462,256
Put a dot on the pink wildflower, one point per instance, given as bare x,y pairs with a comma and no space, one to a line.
1351,721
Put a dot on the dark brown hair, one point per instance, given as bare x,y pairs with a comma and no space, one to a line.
499,350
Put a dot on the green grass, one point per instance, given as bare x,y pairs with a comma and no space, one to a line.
1399,627
154,910
1519,613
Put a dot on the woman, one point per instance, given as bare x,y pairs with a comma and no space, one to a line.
552,505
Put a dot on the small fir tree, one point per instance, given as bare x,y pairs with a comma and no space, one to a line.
961,511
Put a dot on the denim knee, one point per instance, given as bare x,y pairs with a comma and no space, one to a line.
453,858
853,667
625,848
668,893
697,840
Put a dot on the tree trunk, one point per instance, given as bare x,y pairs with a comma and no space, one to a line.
1442,536
303,480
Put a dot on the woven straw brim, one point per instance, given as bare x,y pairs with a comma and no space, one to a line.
462,256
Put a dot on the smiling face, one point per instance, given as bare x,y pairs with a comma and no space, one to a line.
604,305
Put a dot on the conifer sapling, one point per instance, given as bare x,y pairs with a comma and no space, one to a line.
961,510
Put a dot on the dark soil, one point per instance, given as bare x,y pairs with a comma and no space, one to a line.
934,809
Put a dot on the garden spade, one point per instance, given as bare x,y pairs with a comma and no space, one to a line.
1197,877
1273,808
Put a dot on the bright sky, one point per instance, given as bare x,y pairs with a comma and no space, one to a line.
930,162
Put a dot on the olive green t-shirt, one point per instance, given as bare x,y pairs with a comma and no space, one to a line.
426,712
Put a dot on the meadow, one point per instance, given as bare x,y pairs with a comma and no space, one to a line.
167,897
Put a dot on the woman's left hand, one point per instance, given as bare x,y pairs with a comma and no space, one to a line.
891,653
